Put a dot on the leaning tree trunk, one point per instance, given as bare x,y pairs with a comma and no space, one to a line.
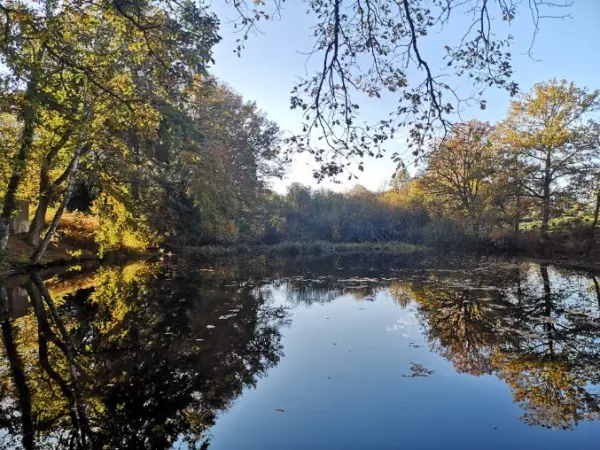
46,189
28,115
45,196
43,245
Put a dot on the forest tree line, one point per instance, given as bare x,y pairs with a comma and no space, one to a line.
111,109
527,180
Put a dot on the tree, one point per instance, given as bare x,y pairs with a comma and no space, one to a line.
238,153
43,40
596,197
370,48
400,180
586,186
509,197
459,172
556,139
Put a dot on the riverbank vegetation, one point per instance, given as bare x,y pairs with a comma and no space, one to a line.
120,140
528,182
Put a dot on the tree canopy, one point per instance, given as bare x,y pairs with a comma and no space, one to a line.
371,48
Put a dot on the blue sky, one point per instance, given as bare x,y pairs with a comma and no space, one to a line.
564,48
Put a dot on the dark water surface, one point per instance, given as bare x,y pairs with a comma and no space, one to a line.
345,352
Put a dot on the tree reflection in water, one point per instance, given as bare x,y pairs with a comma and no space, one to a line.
534,327
145,357
133,362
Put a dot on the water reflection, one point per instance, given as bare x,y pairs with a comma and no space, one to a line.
133,362
538,331
142,356
534,327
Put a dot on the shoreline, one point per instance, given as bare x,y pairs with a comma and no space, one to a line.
289,249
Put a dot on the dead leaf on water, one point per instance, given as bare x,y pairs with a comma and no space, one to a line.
418,370
227,316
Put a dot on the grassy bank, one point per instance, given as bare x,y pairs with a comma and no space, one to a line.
302,248
75,243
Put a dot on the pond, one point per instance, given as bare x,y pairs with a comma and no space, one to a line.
333,352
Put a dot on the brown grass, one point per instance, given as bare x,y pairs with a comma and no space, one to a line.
73,241
78,229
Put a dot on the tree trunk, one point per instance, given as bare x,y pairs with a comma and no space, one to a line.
28,115
545,219
72,170
517,219
39,220
546,203
45,196
594,223
134,144
517,193
46,189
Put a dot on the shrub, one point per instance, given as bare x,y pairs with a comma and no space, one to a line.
119,229
447,234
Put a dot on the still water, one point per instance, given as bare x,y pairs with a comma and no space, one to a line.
344,352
